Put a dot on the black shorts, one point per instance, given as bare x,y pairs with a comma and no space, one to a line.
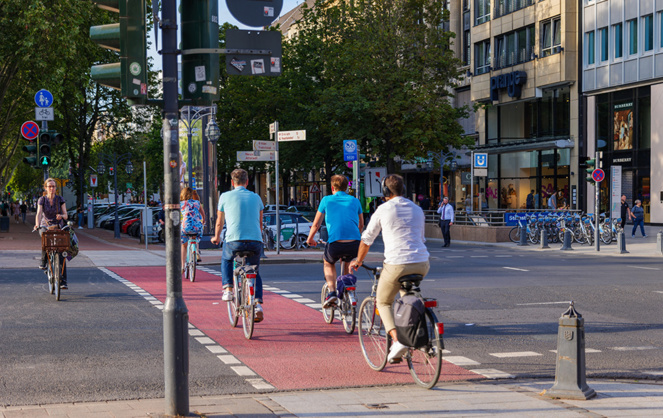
346,251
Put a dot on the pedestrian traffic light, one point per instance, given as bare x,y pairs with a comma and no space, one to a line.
128,37
200,71
32,157
111,170
47,140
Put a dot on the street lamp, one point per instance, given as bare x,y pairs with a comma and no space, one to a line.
441,159
189,115
212,132
113,161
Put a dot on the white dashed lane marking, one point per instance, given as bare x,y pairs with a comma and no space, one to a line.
514,268
516,354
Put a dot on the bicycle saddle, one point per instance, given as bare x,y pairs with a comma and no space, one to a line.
410,280
244,253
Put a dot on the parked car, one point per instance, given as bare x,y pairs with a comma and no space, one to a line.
272,208
294,228
306,211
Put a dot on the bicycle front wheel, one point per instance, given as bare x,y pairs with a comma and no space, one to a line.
349,313
192,262
372,335
233,311
51,276
425,363
328,313
57,275
514,234
248,310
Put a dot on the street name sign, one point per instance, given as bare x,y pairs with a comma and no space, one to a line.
30,130
285,136
256,155
44,113
44,98
264,145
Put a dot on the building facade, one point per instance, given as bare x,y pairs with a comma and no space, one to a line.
623,86
521,66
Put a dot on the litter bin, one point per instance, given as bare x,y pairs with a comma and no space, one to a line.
4,224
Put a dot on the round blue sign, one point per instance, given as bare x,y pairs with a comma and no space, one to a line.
29,130
598,175
44,98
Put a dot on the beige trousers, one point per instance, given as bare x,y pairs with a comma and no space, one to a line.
388,286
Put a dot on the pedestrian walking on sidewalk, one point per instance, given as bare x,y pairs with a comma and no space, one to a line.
80,211
24,211
625,212
638,216
446,212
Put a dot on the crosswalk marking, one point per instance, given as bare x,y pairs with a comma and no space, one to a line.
516,354
461,361
641,348
493,373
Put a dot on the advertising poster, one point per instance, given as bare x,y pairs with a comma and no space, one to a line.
623,126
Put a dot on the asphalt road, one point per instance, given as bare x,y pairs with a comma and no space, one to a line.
500,307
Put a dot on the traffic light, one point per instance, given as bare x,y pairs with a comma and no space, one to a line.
111,170
47,140
200,72
128,37
32,157
590,165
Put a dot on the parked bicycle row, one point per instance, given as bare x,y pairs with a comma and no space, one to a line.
581,227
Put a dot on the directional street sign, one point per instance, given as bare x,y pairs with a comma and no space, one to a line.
373,181
30,130
598,175
292,136
264,145
44,98
256,155
350,150
44,113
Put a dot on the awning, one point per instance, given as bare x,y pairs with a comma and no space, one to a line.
525,145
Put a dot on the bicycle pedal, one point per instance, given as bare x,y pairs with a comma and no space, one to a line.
396,360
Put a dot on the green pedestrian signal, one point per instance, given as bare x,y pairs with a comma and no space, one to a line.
200,71
32,157
44,161
128,37
47,140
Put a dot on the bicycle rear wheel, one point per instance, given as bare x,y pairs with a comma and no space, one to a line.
248,310
372,335
57,274
514,234
348,313
51,276
193,258
425,363
233,305
328,313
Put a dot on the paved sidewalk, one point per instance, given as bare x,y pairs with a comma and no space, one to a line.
475,399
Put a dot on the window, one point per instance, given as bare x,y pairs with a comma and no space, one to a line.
503,7
589,41
649,32
481,11
551,36
482,57
660,28
633,36
603,33
619,39
466,37
515,47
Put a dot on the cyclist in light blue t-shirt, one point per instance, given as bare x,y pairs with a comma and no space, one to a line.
345,220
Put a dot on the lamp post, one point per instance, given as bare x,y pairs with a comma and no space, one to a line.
189,115
441,159
113,161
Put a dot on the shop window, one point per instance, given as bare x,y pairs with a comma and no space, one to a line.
492,131
603,120
551,36
481,11
603,33
632,36
589,43
482,57
648,36
618,32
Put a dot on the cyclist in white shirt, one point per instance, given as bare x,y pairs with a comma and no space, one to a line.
402,225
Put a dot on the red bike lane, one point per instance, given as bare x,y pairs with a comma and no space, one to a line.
293,348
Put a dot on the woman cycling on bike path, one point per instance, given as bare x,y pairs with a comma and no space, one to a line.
345,221
193,217
402,226
51,210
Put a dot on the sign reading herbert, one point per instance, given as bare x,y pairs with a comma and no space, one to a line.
256,155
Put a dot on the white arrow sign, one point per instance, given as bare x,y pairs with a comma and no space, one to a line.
256,155
292,136
264,145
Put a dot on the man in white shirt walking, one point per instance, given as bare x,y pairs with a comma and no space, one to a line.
446,212
402,225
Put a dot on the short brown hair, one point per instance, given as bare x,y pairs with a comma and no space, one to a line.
240,177
186,193
395,183
339,182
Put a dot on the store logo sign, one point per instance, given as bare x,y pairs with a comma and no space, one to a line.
513,82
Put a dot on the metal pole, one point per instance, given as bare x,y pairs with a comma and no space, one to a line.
472,183
116,224
175,313
189,134
204,199
597,189
145,200
276,187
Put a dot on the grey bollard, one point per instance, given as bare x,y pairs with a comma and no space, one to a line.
570,382
659,242
544,239
523,237
566,246
621,239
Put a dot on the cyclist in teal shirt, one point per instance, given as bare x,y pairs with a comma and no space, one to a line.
241,209
345,221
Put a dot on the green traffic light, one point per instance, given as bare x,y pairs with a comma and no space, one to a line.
44,161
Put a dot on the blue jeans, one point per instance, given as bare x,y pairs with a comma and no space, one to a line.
229,250
641,222
80,220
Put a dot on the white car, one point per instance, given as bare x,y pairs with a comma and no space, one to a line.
294,228
272,208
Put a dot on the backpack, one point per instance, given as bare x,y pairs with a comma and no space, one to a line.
410,321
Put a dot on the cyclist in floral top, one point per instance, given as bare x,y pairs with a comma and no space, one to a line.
193,217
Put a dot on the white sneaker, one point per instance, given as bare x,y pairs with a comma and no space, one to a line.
396,352
227,295
259,315
80,227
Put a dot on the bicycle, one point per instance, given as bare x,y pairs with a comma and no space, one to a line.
243,303
346,305
55,242
191,257
424,363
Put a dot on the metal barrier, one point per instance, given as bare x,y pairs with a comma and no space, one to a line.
488,217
